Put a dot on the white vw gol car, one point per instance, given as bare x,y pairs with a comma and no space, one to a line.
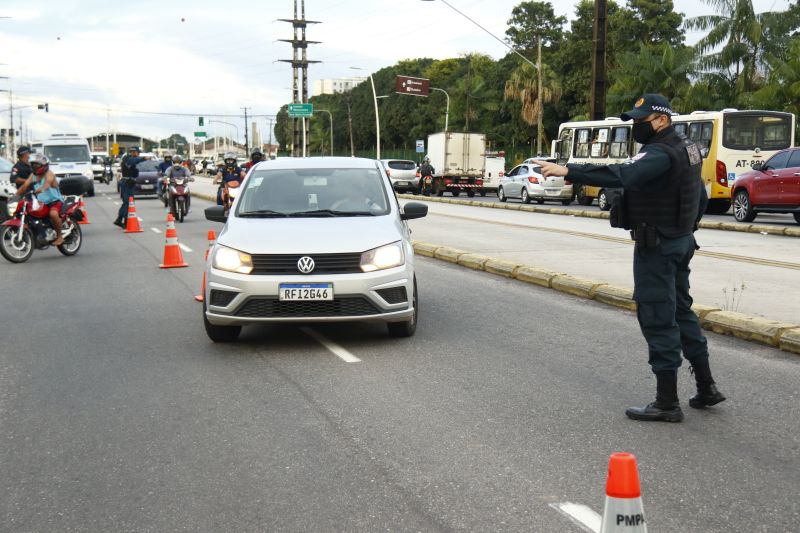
313,240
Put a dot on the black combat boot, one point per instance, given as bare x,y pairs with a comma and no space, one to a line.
707,393
666,408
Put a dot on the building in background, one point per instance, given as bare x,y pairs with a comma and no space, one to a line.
335,85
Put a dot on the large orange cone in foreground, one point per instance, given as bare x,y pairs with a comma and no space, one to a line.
173,258
212,237
133,221
623,512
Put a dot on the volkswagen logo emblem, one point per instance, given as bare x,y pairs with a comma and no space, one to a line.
305,265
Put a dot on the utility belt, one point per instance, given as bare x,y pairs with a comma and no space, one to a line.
645,236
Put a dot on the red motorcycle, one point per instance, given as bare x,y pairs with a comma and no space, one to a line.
29,228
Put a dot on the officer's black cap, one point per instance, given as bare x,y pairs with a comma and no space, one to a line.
134,149
647,105
23,150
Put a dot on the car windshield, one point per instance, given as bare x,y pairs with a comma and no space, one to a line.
402,165
751,131
314,192
148,166
67,153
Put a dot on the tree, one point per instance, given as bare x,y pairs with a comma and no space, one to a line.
523,87
782,90
650,22
533,20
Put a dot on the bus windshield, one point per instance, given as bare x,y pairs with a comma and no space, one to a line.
748,131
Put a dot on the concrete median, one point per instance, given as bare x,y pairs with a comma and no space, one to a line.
705,224
782,335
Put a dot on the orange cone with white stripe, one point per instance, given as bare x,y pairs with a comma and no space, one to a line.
173,258
212,238
132,225
82,207
623,512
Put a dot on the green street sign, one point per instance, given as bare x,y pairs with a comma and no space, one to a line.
301,110
199,134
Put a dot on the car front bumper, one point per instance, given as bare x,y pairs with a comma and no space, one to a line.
253,299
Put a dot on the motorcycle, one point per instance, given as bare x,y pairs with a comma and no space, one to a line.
229,193
427,185
29,228
108,173
177,196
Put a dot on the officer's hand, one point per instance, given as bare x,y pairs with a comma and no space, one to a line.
551,169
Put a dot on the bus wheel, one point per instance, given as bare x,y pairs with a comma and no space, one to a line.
718,207
581,196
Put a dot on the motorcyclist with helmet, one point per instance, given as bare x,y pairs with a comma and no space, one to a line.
229,172
45,187
177,170
425,170
256,156
22,168
163,167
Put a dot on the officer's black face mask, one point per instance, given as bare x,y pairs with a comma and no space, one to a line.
643,131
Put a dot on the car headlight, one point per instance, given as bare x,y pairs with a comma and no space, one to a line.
12,208
388,256
232,260
88,173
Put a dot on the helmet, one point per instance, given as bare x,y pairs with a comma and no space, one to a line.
40,164
426,160
229,156
256,155
134,149
176,159
23,150
168,157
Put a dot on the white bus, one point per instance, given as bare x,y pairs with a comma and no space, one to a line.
730,140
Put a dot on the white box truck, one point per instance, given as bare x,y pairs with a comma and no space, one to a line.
458,160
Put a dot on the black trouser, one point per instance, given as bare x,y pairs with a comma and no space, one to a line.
664,306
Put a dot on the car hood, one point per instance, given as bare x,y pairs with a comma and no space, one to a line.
322,235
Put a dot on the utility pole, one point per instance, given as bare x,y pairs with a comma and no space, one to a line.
246,138
540,118
597,99
108,128
269,146
350,127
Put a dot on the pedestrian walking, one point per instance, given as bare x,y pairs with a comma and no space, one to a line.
661,204
127,183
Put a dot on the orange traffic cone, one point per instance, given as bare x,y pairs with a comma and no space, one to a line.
212,237
133,221
82,207
623,511
173,258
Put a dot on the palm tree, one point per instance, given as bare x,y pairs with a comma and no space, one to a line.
734,40
523,86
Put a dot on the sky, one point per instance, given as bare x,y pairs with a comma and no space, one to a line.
97,62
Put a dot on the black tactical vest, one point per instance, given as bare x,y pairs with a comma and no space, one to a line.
673,206
128,171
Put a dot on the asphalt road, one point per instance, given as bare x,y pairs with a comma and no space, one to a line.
763,218
118,414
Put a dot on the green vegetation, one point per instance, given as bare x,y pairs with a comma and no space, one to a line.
743,59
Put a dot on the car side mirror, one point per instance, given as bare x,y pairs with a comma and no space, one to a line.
757,166
216,213
411,211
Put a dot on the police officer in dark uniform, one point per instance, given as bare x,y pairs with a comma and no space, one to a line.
21,169
663,200
127,184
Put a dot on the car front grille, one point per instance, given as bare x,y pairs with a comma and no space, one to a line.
70,175
323,264
221,298
395,295
273,308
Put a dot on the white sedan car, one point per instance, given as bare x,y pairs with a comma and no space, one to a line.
526,182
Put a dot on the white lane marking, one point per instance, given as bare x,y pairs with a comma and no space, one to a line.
116,203
337,350
156,230
580,515
184,247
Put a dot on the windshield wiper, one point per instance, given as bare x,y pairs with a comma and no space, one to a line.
263,213
330,213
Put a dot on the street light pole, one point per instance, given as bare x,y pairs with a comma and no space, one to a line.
447,109
377,116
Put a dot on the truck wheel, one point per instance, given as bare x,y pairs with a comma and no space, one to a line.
455,192
471,194
483,193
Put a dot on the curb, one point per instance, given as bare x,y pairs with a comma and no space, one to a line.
704,224
782,335
207,197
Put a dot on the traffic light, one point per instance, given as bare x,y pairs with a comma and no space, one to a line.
2,145
201,121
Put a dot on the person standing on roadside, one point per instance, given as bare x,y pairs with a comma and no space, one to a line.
21,170
663,200
127,183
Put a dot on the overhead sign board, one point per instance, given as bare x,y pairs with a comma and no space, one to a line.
412,86
301,110
199,134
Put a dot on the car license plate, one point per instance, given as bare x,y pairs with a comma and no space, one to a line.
552,192
145,186
293,292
